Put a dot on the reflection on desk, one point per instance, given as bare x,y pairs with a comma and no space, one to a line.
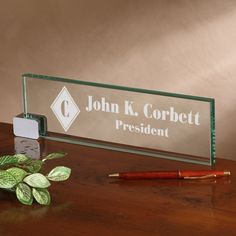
89,203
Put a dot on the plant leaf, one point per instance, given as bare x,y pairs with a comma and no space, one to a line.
33,166
59,173
8,160
42,196
54,155
21,158
7,180
37,165
18,173
24,194
37,180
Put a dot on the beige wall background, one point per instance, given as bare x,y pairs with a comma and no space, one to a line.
179,46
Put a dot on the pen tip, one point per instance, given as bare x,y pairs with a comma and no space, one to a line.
227,173
113,175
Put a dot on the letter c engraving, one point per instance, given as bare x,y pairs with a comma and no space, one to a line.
65,108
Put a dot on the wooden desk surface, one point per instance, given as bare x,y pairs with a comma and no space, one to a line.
89,203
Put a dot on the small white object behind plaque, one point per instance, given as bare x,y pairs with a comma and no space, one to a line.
27,128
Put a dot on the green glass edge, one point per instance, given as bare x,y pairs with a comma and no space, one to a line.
213,138
24,96
139,90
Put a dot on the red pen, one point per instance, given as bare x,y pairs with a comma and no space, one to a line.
179,174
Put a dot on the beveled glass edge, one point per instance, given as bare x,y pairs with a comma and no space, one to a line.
213,137
24,88
139,90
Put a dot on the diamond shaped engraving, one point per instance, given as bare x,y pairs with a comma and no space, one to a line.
65,109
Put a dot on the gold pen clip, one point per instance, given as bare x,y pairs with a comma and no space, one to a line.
201,177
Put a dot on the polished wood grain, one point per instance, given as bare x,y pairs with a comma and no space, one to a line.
89,203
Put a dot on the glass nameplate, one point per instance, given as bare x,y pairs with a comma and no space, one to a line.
146,122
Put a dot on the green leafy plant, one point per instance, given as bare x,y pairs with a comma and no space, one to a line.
20,174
